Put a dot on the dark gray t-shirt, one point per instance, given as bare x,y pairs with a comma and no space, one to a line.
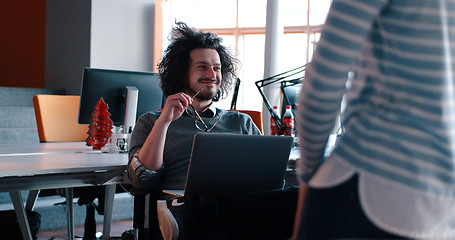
179,141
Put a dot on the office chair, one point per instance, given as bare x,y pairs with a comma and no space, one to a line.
56,120
145,214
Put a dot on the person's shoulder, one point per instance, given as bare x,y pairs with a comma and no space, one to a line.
149,116
225,112
233,114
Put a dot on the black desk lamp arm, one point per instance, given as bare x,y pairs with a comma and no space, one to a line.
273,79
278,121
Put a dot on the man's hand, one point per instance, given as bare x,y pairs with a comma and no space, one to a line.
174,107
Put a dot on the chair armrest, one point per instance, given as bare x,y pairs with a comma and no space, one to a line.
140,192
145,214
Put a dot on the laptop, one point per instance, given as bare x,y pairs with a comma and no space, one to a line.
224,163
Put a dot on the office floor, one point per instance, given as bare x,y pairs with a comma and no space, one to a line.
117,228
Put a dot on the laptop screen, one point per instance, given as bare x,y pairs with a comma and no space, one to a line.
236,163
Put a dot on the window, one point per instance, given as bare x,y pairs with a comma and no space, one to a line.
241,24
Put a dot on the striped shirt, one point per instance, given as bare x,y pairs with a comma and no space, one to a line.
400,116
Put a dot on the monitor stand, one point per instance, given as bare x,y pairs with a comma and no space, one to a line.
132,94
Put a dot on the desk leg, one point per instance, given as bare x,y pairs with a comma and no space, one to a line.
108,209
69,212
31,200
21,214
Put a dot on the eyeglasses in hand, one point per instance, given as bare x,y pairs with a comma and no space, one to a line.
199,122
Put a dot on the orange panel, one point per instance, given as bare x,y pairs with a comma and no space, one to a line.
56,118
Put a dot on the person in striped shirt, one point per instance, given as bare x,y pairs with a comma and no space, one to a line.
392,173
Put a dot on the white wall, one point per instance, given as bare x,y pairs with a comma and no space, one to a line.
115,34
122,34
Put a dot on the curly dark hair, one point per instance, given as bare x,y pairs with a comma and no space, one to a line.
174,66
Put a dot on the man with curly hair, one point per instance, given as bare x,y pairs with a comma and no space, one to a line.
197,70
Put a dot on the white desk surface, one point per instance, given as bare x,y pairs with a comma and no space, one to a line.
18,160
43,147
58,165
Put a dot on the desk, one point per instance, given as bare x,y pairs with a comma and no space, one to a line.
30,167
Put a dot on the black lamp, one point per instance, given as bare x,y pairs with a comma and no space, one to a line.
235,94
283,77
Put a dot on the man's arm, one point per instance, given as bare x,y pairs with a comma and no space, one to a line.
151,153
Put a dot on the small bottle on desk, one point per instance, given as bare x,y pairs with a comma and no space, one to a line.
273,126
288,121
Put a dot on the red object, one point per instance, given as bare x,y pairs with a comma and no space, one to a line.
288,120
273,126
100,128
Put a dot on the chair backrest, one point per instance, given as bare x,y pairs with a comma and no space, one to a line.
256,116
56,118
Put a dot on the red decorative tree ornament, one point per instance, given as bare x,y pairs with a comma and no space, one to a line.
100,128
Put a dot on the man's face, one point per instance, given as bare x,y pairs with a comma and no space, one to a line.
204,72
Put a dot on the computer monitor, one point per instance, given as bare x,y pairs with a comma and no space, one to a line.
291,91
112,85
